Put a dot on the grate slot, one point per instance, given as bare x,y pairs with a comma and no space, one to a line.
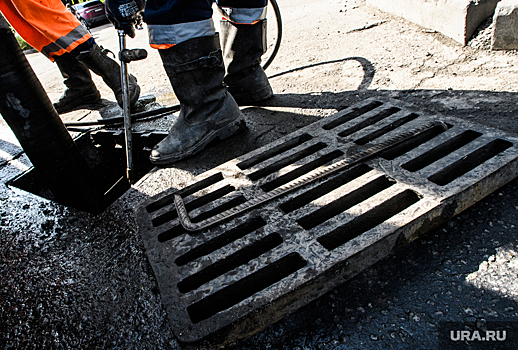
469,162
369,121
286,161
348,201
221,241
272,152
441,151
386,129
411,143
355,113
369,219
179,230
306,168
184,192
219,209
201,201
173,232
246,287
230,263
324,188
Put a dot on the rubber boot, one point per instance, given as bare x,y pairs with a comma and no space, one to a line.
208,111
80,89
99,63
243,45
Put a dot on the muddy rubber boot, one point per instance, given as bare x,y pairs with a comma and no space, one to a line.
208,111
99,63
243,45
80,89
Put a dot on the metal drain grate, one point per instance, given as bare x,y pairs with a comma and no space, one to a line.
232,280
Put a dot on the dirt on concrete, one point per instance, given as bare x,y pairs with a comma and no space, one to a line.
73,280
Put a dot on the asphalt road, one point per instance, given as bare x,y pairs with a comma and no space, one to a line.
73,280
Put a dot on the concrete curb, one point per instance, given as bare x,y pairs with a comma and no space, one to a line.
505,26
456,19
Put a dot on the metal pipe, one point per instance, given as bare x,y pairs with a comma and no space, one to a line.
126,106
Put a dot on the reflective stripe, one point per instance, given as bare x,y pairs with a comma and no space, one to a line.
167,35
67,42
244,15
161,46
77,34
51,50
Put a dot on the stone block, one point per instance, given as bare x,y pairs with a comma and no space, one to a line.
456,19
505,26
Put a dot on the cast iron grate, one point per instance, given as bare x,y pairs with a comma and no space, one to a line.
231,280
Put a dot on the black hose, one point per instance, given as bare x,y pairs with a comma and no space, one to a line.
142,116
277,12
27,110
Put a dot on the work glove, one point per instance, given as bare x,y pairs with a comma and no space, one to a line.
125,14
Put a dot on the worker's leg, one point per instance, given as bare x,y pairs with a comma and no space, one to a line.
96,59
243,38
80,89
49,27
191,54
55,33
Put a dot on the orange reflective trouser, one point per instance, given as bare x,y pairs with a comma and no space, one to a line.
46,25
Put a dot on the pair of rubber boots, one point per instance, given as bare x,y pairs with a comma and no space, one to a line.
208,97
80,88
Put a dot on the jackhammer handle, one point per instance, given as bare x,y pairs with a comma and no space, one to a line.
132,55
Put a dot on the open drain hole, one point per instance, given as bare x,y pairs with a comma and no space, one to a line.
412,143
304,169
348,201
178,230
355,113
221,241
272,152
107,162
230,263
245,287
441,151
369,121
196,203
469,162
184,192
286,161
324,188
386,129
369,220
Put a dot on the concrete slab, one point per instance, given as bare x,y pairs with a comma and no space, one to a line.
456,19
229,281
505,26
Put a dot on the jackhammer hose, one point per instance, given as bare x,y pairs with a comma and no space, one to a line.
278,18
26,108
